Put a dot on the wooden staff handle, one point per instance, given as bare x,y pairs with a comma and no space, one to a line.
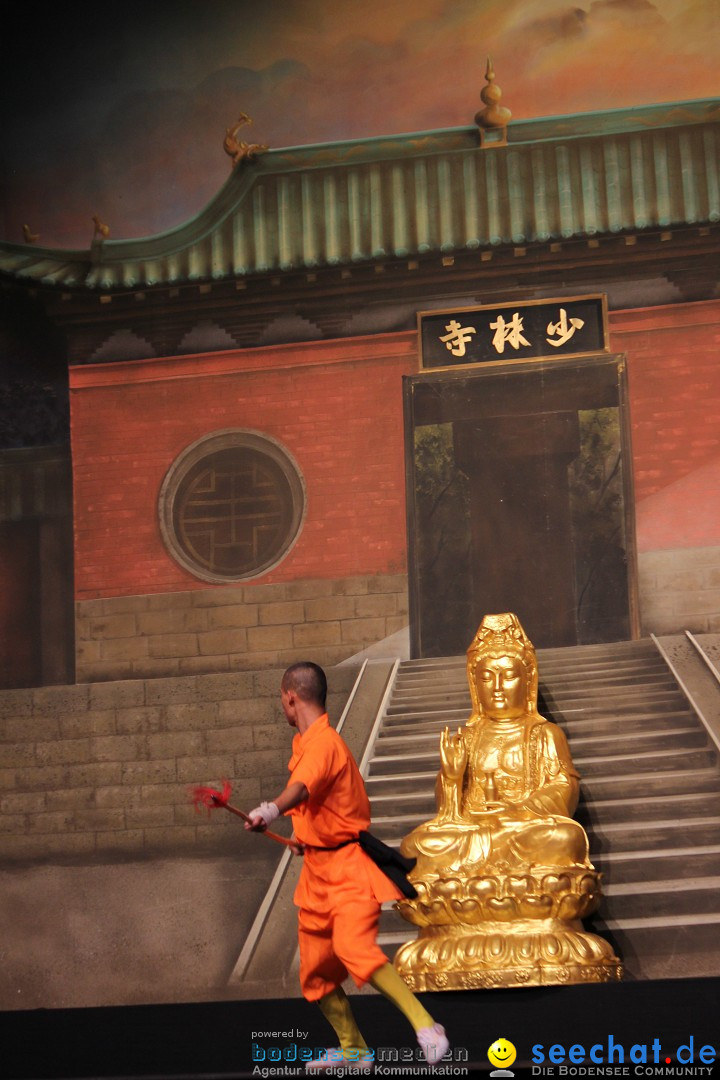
246,817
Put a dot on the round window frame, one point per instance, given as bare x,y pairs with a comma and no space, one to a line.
203,447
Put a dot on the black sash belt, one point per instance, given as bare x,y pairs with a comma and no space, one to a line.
394,865
316,847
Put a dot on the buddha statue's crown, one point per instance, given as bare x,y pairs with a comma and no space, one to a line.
502,632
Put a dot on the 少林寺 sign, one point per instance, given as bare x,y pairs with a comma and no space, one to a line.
571,326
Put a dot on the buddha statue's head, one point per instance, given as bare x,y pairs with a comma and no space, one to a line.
502,670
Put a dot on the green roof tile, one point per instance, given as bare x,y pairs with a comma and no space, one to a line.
347,203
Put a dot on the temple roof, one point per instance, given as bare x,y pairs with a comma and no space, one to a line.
353,203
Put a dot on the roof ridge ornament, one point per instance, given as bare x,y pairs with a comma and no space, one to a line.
101,231
237,148
494,118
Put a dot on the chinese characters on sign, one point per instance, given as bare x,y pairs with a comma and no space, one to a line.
510,333
567,327
562,329
457,338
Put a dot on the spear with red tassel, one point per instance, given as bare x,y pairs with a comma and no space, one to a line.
211,799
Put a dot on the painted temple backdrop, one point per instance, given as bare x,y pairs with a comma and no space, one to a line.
224,440
122,119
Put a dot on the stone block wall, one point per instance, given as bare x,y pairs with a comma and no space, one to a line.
102,770
680,590
236,628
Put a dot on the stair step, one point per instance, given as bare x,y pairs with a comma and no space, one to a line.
426,728
661,922
634,836
563,666
600,706
680,781
658,926
605,688
650,761
641,647
608,836
648,808
612,675
621,649
656,865
650,864
393,744
636,899
665,752
630,811
607,785
449,717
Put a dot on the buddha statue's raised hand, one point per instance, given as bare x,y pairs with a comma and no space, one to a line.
453,763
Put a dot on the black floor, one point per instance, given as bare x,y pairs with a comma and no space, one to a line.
620,1021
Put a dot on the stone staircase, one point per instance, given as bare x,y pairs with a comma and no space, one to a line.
650,795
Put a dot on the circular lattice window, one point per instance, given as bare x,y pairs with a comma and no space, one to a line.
231,506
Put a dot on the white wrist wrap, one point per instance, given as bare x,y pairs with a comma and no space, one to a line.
268,811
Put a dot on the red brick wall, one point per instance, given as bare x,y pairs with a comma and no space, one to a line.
336,406
674,374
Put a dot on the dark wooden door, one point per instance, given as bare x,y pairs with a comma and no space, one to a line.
519,495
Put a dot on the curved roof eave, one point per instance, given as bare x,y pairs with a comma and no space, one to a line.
346,203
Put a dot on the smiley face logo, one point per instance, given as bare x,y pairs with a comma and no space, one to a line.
502,1053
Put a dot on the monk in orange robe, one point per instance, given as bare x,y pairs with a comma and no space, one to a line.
340,888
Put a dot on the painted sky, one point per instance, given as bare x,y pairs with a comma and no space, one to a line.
123,114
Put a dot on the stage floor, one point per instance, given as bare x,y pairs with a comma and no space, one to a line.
608,1025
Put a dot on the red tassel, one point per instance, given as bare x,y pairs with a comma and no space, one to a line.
209,797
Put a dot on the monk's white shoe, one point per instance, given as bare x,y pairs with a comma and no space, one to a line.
433,1042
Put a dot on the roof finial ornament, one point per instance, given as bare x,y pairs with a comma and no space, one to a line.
101,231
30,237
494,118
236,148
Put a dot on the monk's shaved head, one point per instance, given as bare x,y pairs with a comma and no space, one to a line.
308,681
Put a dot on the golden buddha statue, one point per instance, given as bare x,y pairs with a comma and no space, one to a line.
503,874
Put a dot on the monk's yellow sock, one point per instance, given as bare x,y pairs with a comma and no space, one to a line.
335,1007
389,983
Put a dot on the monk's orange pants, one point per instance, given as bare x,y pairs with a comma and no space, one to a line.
339,897
337,944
